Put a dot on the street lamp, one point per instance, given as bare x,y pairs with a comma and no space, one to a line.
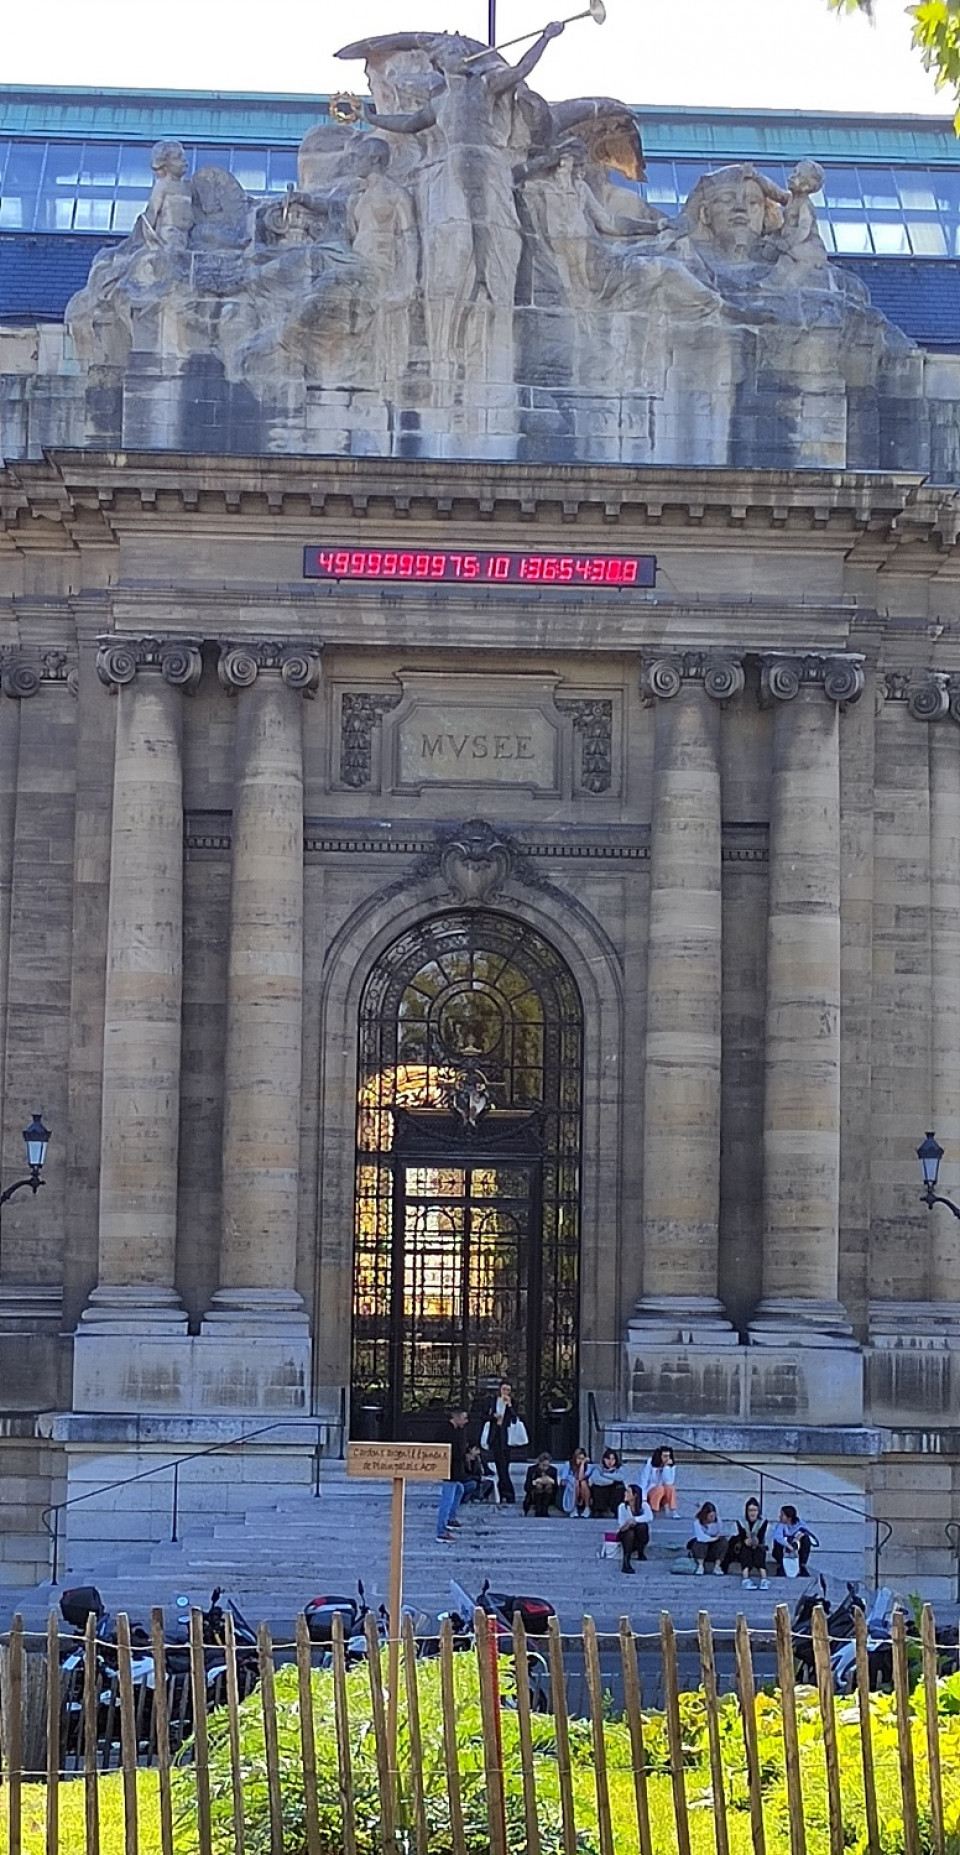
930,1153
36,1138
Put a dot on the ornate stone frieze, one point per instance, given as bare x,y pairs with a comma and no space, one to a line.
360,713
23,673
720,676
177,660
782,677
593,722
239,665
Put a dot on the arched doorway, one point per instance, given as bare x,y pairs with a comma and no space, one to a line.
467,1222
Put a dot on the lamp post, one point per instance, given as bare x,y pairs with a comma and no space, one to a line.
491,22
930,1153
36,1138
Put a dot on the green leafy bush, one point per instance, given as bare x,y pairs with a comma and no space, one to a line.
366,1803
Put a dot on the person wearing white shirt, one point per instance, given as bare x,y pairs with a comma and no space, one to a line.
709,1541
658,1480
633,1527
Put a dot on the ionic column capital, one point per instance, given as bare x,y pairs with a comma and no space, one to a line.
22,674
720,676
177,660
783,676
931,697
297,664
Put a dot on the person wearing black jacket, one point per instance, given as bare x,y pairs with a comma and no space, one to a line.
453,1431
541,1489
748,1547
500,1418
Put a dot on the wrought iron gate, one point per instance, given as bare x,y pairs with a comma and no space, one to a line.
468,1155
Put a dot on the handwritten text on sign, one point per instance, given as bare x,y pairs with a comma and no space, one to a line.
387,1461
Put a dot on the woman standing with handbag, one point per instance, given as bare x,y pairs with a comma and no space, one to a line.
503,1430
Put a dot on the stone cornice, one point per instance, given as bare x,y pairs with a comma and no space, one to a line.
112,488
508,621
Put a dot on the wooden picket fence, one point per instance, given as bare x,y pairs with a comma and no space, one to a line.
52,1734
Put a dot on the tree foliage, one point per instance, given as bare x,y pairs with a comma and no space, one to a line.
936,35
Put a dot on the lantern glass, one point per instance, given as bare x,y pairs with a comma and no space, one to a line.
36,1138
930,1153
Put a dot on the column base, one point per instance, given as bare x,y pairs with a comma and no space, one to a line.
134,1310
256,1311
683,1320
792,1321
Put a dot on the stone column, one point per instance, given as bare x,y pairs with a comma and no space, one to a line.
801,1131
943,1288
681,1113
261,1138
141,1043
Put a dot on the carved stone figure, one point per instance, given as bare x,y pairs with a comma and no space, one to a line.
801,250
471,116
168,214
728,212
482,271
382,223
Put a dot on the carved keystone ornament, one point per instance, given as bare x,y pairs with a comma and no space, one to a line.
475,862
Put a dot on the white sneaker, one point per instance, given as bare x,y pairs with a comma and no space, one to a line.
698,1569
718,1571
764,1584
747,1584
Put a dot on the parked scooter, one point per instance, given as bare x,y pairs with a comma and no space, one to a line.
213,1631
840,1622
76,1606
353,1613
533,1612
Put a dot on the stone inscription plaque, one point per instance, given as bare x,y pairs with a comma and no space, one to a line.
449,744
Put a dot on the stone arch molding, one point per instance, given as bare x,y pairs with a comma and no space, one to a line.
354,951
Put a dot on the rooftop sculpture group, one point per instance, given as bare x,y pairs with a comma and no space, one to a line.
470,268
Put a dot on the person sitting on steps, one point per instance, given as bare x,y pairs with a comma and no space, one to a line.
606,1486
541,1489
792,1540
748,1548
659,1481
633,1527
708,1544
576,1478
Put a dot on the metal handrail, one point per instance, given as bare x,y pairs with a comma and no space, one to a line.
952,1531
56,1508
882,1529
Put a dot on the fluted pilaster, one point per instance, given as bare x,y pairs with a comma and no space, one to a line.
261,1141
142,1023
681,1097
801,1133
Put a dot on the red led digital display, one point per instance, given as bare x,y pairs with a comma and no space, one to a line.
423,567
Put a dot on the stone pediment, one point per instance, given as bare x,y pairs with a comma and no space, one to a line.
468,271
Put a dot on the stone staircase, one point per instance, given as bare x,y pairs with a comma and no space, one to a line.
272,1558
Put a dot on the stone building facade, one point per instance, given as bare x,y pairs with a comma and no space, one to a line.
426,974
